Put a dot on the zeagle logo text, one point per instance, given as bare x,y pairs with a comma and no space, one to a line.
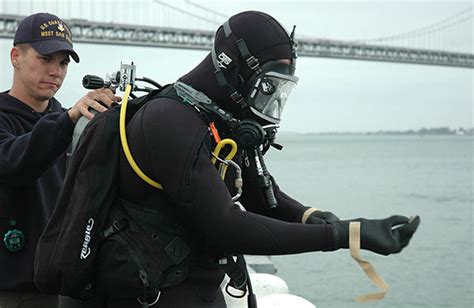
86,250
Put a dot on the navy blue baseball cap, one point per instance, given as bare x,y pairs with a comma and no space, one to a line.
46,33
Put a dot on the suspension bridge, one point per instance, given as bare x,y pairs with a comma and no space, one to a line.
187,25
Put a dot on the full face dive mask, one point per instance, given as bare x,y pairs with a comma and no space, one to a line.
269,90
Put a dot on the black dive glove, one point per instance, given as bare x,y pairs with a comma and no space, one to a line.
315,216
382,236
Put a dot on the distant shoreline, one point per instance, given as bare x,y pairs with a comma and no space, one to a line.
442,131
290,133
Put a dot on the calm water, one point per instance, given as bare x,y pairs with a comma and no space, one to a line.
374,177
353,176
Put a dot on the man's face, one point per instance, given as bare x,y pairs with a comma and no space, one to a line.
40,77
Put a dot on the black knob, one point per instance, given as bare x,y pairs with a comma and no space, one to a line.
92,82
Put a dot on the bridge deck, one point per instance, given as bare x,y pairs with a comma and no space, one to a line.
122,34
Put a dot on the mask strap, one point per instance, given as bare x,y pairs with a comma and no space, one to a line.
252,62
234,94
218,72
227,29
221,80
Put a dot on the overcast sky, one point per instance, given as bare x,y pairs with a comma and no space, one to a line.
332,95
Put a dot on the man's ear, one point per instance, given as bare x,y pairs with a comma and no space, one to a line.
14,56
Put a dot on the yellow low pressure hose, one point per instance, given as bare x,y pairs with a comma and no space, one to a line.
223,167
123,139
134,165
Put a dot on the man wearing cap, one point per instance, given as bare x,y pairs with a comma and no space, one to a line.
35,132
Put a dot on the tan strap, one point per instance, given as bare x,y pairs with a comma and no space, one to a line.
354,245
306,214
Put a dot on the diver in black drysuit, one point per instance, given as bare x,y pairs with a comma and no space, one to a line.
172,144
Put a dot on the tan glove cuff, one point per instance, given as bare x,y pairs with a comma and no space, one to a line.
307,213
354,245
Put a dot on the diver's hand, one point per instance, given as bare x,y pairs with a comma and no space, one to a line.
315,216
91,100
382,236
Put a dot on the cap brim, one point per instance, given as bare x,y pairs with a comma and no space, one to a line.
47,47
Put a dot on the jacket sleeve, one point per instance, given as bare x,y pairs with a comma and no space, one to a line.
178,147
25,157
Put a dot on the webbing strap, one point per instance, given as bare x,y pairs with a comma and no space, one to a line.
226,27
354,245
237,272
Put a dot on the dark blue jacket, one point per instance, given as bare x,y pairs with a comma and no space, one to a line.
32,167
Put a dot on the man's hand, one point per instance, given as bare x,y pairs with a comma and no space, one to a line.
91,100
382,236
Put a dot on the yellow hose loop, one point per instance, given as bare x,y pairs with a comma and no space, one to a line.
219,147
217,150
123,139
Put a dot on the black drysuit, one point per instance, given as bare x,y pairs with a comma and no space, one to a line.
172,144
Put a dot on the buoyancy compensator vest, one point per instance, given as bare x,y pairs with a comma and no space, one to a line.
96,242
89,213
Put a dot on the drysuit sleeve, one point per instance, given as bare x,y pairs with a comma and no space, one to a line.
177,144
253,198
24,157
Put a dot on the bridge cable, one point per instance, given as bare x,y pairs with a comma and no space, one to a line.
187,13
207,9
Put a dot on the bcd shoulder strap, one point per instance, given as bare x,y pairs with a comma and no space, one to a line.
132,108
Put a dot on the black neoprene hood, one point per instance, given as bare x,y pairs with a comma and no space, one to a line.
265,38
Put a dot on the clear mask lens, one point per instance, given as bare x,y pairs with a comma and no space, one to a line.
269,95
